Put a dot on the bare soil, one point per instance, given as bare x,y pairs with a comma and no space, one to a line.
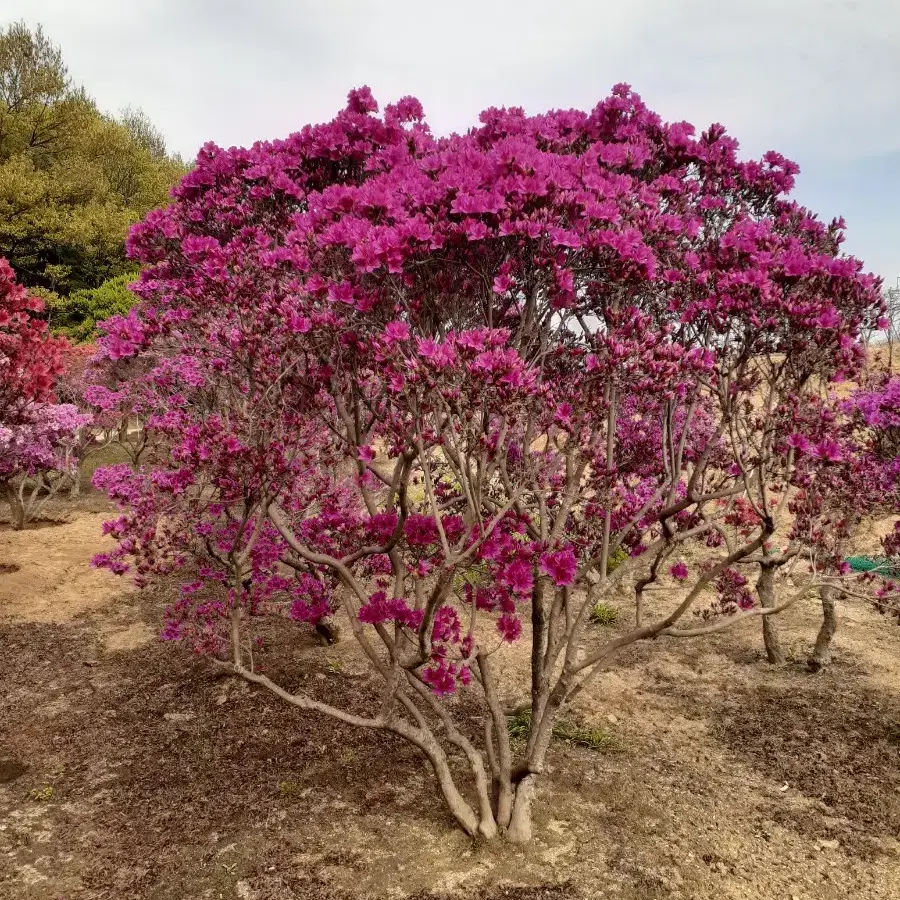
131,769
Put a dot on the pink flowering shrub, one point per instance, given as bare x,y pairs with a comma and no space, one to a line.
71,386
847,467
40,445
437,385
876,407
846,472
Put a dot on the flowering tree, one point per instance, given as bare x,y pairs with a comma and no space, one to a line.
30,358
33,430
114,418
859,484
847,473
439,384
70,388
36,454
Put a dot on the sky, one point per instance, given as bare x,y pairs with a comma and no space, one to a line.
818,80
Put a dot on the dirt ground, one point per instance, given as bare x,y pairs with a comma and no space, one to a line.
130,769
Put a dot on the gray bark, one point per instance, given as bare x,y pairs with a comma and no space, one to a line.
16,507
821,655
75,486
519,831
765,589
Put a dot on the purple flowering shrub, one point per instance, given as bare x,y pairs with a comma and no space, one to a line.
436,386
41,444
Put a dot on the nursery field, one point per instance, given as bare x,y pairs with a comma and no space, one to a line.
131,769
507,514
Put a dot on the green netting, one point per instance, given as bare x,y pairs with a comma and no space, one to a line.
878,565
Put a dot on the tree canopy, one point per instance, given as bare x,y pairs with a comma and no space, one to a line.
76,315
72,178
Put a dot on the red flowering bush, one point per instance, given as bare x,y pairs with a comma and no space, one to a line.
36,434
30,359
437,385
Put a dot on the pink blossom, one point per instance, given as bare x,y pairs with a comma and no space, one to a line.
396,331
440,677
360,100
559,566
502,283
827,449
421,530
297,323
517,577
563,415
380,609
510,627
828,318
799,442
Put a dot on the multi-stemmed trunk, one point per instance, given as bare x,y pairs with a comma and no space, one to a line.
28,497
503,797
501,784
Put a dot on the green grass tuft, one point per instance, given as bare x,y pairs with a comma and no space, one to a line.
597,739
604,614
518,724
289,788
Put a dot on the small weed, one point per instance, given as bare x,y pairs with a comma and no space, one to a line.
335,666
604,614
347,757
796,652
474,576
415,493
42,794
598,739
289,788
616,560
518,724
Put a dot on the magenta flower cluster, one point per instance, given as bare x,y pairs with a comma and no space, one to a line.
436,382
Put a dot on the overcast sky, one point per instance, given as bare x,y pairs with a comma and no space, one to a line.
818,80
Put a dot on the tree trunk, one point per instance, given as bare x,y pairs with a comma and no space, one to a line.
821,654
461,811
75,486
765,589
16,508
519,831
327,631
